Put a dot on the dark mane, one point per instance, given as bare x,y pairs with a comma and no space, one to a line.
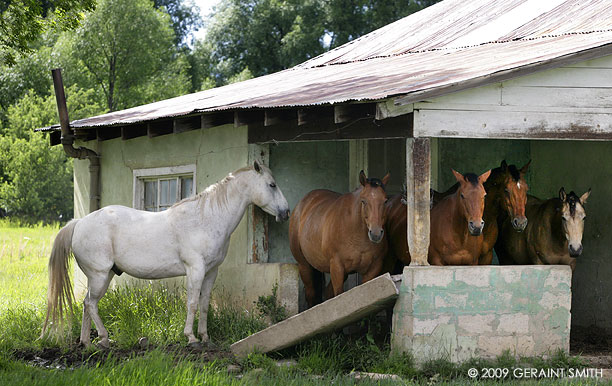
516,175
375,182
472,178
572,199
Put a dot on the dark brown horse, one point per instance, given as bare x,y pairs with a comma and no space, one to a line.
339,234
456,223
505,201
553,235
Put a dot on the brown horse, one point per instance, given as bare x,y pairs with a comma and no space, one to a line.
339,234
456,223
505,201
553,235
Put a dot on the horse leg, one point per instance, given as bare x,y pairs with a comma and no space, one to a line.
336,271
97,288
195,277
207,286
307,275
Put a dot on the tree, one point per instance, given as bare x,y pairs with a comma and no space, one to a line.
23,21
266,36
35,180
127,50
185,17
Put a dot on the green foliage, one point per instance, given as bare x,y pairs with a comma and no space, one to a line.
35,179
270,307
23,21
266,36
185,17
125,50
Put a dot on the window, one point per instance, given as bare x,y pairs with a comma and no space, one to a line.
158,189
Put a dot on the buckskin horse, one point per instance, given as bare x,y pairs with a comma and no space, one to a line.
339,234
456,223
189,239
553,235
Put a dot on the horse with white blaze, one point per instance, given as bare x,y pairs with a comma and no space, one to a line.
189,239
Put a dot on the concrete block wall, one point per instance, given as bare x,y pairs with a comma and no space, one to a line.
458,313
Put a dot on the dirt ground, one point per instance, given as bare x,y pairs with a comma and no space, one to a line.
74,357
594,345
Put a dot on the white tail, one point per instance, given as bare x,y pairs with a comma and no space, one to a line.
59,293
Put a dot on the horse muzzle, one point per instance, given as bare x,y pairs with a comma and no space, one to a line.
376,236
519,224
575,252
283,215
474,229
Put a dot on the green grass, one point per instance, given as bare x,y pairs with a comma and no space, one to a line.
159,314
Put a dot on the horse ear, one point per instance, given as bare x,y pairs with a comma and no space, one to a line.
257,167
562,195
504,165
584,197
386,178
458,176
523,170
483,177
362,178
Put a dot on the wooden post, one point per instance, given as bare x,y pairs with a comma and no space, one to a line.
418,164
257,219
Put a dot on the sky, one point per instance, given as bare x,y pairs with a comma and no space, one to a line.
205,8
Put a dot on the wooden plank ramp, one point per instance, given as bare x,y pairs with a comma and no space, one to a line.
330,315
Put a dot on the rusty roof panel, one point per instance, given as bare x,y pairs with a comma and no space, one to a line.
447,44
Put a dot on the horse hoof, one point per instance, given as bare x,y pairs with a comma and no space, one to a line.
103,345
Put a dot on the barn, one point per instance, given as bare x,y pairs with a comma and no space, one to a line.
461,84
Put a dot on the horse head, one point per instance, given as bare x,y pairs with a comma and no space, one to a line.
514,194
471,194
373,198
573,215
267,195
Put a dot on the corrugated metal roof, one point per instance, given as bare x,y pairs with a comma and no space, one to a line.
449,43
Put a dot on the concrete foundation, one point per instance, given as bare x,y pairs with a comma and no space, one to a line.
457,313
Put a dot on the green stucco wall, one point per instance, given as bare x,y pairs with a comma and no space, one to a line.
298,169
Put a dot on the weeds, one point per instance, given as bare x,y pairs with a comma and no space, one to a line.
270,307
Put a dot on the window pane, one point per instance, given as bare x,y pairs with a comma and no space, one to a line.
186,187
150,197
172,192
163,191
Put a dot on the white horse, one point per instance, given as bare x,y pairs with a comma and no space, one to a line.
189,239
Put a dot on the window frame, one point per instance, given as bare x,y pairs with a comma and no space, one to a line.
168,172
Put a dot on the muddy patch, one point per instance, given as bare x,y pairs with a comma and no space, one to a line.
70,358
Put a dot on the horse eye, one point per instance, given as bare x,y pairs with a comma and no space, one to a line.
462,196
506,190
273,185
363,202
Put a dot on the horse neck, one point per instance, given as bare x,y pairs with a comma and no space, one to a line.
231,209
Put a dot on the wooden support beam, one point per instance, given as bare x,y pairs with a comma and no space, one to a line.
248,117
418,165
257,220
181,125
157,128
278,117
133,131
106,133
399,127
216,119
